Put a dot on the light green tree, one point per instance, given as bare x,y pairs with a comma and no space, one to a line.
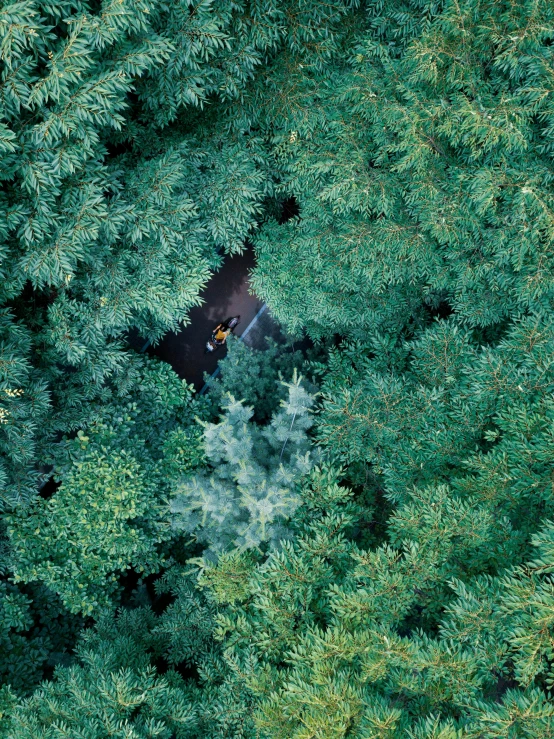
108,514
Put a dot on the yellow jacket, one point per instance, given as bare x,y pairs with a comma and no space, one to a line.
221,334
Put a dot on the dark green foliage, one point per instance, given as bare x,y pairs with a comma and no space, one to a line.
115,687
255,375
24,409
36,633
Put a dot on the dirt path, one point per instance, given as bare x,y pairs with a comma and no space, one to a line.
225,295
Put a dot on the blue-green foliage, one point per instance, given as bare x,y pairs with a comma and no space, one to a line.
247,491
422,167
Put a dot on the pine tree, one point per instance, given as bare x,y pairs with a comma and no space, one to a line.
324,632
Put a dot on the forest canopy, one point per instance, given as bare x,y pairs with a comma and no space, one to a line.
351,534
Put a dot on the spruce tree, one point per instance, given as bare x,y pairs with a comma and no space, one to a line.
247,492
254,375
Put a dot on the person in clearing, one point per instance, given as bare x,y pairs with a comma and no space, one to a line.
221,332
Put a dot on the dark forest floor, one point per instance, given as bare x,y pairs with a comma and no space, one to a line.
226,294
